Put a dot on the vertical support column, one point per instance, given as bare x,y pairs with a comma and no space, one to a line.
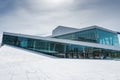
48,46
84,52
65,54
54,46
34,44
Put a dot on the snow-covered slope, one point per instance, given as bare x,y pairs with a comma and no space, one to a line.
19,64
10,53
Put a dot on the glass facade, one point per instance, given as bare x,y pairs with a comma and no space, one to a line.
93,35
87,36
58,49
104,37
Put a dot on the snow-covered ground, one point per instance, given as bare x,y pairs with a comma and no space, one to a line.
20,64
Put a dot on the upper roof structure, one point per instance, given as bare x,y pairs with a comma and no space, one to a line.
61,30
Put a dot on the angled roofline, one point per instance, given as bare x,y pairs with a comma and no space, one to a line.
87,28
59,30
65,27
81,43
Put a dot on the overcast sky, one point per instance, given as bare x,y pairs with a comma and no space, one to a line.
40,17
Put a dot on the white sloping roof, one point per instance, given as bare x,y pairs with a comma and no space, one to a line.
20,54
17,64
67,41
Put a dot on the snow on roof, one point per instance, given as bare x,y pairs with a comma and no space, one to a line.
66,41
19,54
17,64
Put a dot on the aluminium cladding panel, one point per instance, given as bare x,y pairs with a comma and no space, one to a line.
66,41
60,30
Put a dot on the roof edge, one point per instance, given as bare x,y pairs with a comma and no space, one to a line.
87,28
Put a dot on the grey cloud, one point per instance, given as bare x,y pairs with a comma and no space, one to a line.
8,6
40,7
97,4
100,7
